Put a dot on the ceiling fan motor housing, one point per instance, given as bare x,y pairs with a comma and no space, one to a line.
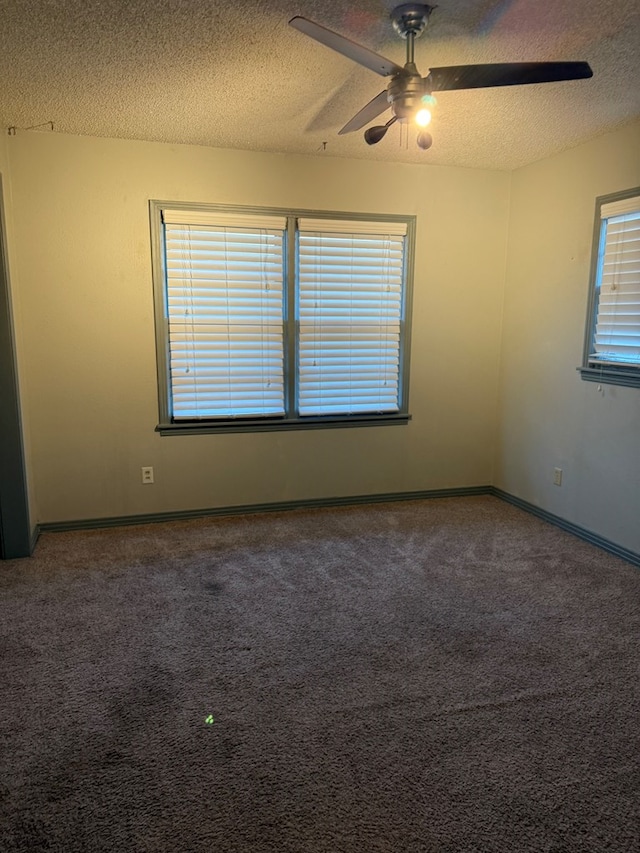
406,91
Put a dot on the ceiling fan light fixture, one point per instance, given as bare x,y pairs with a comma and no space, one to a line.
423,117
425,140
373,135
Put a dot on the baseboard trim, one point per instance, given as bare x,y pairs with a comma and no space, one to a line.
349,500
246,509
569,526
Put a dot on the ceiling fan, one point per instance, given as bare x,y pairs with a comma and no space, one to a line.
410,96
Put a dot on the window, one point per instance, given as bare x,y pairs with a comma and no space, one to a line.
271,319
612,346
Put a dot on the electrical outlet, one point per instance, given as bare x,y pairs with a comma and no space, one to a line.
147,474
557,476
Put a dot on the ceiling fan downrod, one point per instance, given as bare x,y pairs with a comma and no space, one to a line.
410,21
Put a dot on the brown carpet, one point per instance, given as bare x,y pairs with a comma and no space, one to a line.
445,675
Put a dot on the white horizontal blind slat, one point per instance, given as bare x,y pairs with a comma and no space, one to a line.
225,312
617,332
350,317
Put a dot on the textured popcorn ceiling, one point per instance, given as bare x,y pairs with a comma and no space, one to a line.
235,75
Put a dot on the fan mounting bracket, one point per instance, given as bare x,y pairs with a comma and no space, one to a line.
411,19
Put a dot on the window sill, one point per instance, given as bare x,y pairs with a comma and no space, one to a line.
629,376
280,424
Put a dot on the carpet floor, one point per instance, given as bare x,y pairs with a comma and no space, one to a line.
439,676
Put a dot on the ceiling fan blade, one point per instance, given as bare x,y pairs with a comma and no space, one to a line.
356,52
372,110
505,74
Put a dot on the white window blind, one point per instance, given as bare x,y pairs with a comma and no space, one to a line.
617,327
224,278
350,305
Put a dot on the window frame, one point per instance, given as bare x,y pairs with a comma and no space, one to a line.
168,426
605,374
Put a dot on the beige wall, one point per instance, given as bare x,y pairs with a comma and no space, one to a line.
81,239
549,417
